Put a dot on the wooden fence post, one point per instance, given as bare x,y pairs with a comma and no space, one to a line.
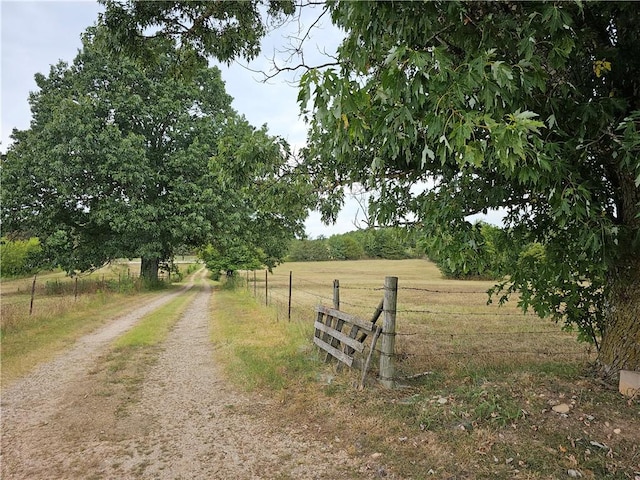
290,283
33,292
75,289
254,284
388,344
266,288
336,294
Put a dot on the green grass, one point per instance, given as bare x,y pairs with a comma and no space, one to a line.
155,327
259,351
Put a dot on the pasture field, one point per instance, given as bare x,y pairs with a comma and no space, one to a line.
503,395
442,324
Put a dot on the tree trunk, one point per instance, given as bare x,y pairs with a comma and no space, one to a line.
620,349
149,269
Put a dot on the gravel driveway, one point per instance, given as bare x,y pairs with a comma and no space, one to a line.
69,419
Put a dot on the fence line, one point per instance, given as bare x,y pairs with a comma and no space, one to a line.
415,340
69,287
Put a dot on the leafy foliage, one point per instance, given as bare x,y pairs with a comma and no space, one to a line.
446,109
482,253
224,30
132,160
20,257
306,250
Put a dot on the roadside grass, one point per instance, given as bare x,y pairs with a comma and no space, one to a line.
483,406
257,351
36,339
155,327
57,320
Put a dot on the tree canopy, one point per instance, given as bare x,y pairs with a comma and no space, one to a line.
446,109
125,159
224,30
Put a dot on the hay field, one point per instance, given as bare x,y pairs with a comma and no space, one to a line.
442,324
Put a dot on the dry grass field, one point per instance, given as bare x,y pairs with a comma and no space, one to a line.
506,396
441,324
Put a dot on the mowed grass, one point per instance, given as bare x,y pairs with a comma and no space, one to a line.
483,406
154,328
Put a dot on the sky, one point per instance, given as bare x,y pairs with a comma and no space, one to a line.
37,34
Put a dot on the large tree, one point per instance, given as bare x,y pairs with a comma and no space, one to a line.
117,161
446,109
270,193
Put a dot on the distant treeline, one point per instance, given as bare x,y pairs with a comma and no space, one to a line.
387,243
20,257
484,252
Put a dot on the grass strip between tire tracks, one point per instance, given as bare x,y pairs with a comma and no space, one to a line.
124,369
154,327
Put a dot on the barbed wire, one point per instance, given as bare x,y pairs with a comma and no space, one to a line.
371,289
430,290
471,334
481,314
491,352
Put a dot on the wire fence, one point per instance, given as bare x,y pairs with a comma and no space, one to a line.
438,326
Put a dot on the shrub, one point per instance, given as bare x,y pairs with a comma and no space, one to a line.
20,257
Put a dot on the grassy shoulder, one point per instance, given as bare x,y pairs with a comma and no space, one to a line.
38,338
255,349
465,419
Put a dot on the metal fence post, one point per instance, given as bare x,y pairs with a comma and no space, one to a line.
290,284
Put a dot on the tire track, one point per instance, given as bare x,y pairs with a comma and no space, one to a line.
185,422
34,400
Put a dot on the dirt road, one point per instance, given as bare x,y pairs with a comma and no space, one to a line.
70,419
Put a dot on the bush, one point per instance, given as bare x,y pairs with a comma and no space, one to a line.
20,257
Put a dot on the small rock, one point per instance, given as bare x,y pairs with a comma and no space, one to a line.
376,455
402,439
561,408
442,400
574,473
617,431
